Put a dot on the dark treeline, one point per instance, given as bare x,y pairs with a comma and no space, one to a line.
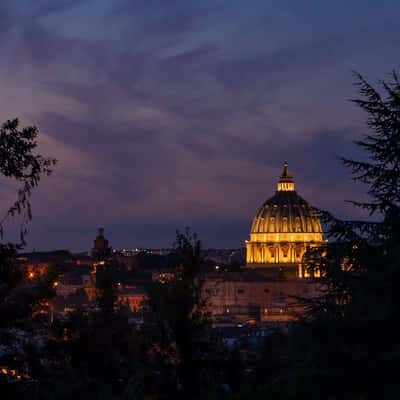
345,346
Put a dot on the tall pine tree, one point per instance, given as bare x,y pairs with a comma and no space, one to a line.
348,344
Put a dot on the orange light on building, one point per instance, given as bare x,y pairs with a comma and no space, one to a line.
283,229
31,275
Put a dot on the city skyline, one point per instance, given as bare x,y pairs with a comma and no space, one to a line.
163,117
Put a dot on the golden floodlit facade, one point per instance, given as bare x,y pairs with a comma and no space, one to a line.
268,287
283,229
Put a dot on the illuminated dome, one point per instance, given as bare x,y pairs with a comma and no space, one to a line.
283,228
286,211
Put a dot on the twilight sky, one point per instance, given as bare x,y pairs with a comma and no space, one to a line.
172,113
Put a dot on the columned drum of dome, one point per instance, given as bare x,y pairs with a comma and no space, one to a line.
284,227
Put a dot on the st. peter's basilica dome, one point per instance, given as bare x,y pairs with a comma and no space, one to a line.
283,228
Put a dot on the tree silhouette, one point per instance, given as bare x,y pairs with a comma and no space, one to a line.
347,344
179,324
19,162
21,300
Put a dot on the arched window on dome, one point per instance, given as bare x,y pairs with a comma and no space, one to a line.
284,224
259,223
271,227
297,224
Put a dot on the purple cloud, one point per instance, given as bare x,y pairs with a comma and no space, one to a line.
166,116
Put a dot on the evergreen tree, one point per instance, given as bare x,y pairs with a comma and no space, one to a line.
347,345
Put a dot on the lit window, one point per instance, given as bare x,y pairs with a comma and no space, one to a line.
297,224
285,224
272,224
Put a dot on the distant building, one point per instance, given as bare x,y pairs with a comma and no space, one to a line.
127,262
71,283
36,264
83,260
162,276
101,249
133,297
225,256
268,287
239,297
283,229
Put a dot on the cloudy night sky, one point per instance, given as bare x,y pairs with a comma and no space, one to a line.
172,113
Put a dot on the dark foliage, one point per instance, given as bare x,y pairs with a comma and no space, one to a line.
347,345
179,324
106,287
92,354
24,303
18,161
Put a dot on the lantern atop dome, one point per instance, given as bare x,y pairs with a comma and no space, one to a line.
285,182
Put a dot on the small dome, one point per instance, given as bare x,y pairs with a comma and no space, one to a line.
286,211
